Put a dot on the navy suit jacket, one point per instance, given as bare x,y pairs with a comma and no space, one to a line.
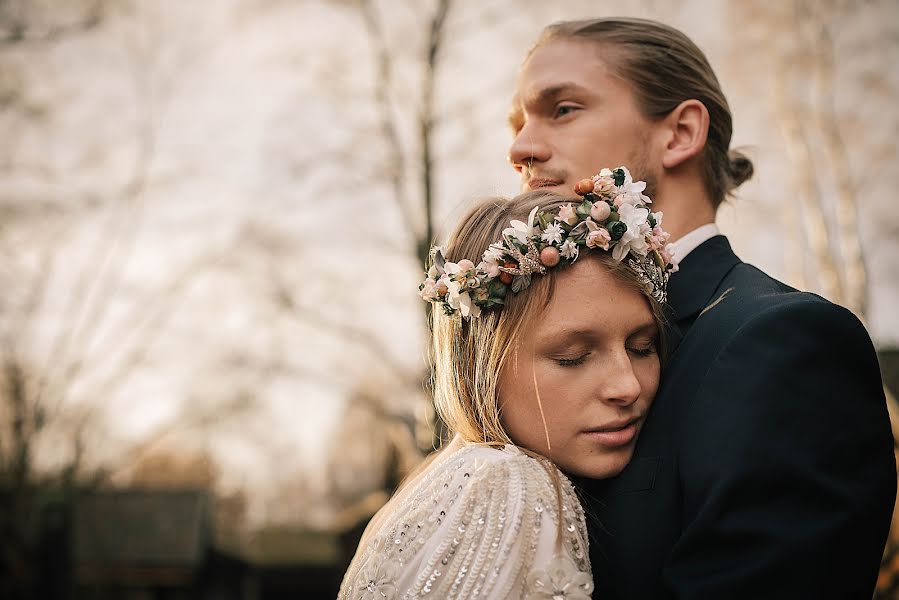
765,468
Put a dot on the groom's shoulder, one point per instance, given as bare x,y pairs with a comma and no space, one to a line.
749,301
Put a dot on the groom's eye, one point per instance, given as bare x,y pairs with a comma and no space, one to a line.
564,109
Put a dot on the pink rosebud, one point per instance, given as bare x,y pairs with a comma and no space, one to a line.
599,238
659,237
442,288
465,265
620,199
600,211
668,256
567,214
603,185
428,290
549,256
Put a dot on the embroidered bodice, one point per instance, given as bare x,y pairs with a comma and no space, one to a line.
480,522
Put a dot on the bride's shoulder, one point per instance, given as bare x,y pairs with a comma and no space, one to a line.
507,469
481,459
478,520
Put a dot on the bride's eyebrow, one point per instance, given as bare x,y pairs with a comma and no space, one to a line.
648,328
564,336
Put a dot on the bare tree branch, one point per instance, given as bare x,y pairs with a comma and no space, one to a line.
383,81
426,126
854,272
357,336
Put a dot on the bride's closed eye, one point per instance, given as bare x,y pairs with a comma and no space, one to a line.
643,350
572,362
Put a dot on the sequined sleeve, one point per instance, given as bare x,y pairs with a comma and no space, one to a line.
485,523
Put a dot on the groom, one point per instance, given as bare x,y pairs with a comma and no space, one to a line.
766,467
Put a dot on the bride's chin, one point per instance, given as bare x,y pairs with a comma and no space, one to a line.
600,467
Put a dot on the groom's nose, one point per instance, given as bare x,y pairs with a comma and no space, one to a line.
527,148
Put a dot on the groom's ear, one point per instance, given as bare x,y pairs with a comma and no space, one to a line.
686,129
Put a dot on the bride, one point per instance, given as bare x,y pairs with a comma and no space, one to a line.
546,360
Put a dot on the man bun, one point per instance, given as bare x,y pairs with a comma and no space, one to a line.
740,168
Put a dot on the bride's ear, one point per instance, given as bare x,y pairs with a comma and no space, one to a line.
686,129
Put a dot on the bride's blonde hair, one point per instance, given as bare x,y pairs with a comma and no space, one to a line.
468,355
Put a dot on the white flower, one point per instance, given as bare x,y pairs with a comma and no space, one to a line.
460,272
492,258
522,231
494,253
561,580
460,300
567,214
634,239
552,234
569,250
490,268
633,190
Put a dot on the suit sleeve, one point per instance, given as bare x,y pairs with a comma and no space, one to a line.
788,492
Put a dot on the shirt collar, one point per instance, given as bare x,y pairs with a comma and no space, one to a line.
689,242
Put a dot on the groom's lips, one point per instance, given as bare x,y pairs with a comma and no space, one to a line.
615,434
535,183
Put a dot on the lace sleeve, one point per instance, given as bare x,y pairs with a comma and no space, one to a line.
486,524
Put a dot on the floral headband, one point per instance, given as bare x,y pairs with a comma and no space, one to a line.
613,217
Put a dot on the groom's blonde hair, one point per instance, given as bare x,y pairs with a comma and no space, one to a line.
468,355
663,68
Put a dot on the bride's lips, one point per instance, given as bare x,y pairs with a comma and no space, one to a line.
614,435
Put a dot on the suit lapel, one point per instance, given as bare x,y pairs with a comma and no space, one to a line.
694,285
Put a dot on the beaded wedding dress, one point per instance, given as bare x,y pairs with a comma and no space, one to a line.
479,522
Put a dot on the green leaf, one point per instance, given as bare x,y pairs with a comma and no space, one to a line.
520,282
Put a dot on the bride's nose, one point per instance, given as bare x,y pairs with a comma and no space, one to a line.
621,386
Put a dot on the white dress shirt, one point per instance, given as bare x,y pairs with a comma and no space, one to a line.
689,242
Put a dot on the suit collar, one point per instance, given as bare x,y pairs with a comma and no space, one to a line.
699,277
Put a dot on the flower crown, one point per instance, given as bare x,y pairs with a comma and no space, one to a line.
613,217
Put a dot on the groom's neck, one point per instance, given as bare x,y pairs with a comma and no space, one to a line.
685,203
